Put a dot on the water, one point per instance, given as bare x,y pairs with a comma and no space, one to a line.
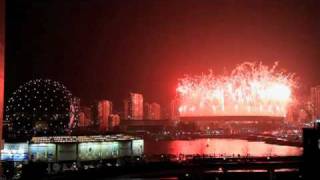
227,147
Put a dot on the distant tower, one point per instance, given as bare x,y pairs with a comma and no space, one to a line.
155,111
174,112
146,111
291,113
315,100
133,107
104,111
152,111
307,111
84,116
114,121
126,109
74,112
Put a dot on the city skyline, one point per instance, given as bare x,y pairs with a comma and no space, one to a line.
153,89
159,50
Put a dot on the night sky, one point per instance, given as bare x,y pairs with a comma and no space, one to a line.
105,49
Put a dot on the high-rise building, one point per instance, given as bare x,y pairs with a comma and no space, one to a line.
292,114
146,111
114,121
133,107
94,122
315,100
104,111
126,109
155,111
84,117
74,111
308,110
152,111
174,109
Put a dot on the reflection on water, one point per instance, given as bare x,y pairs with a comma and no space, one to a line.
226,147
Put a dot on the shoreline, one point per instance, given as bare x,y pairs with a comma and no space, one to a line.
266,139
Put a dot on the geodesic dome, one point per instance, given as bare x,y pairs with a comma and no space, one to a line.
39,107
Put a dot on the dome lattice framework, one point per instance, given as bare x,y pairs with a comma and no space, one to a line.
39,107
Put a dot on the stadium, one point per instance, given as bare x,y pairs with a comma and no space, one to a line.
252,94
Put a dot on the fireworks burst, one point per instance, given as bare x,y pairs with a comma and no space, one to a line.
251,89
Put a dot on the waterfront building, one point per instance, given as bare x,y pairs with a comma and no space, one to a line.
74,112
114,121
60,149
174,109
155,111
152,111
146,111
133,107
84,116
104,111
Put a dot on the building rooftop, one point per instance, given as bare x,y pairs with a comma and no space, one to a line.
79,139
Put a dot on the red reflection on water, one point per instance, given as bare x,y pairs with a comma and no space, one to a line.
226,147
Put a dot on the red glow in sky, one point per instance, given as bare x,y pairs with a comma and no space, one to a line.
250,89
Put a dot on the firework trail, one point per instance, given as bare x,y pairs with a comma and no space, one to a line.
250,89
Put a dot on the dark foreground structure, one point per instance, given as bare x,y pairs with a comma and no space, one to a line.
198,167
311,153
